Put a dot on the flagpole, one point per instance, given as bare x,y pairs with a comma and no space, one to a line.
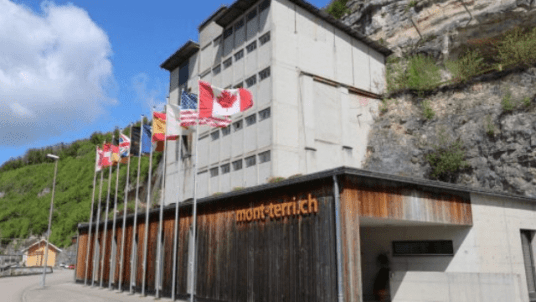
125,204
111,271
91,215
194,211
160,218
148,206
95,262
133,261
107,210
176,225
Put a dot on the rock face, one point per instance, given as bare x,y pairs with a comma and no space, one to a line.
437,27
499,146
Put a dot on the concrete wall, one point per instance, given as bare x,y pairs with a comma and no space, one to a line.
312,126
316,125
216,147
487,264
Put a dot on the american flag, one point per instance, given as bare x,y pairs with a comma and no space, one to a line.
189,113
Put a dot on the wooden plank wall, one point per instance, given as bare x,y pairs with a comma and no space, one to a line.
284,259
381,199
351,245
81,256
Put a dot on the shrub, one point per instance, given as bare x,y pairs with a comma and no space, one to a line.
517,48
427,111
466,66
273,180
422,74
238,188
338,8
447,158
394,75
490,127
295,176
526,101
507,103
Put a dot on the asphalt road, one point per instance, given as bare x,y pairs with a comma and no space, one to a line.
60,287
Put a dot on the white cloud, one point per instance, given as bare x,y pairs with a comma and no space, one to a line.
54,70
149,97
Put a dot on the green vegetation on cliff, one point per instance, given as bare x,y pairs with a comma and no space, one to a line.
27,186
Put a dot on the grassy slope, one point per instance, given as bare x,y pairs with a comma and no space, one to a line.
23,213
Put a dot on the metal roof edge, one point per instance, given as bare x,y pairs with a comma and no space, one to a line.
215,15
339,171
168,64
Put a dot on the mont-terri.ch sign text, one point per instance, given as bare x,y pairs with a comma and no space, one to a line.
278,210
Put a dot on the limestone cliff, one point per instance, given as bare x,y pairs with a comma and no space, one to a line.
498,144
437,26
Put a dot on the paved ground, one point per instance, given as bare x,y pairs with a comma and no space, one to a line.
60,287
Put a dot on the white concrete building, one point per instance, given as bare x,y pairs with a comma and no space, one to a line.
315,86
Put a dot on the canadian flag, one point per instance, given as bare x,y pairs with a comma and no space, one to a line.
215,101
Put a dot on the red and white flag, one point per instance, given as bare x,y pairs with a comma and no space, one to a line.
110,154
98,160
215,101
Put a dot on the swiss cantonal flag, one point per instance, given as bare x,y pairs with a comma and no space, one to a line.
215,101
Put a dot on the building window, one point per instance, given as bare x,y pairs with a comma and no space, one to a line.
527,238
250,161
217,40
264,157
215,135
264,114
239,85
264,38
239,24
225,131
227,63
214,172
237,165
239,55
237,125
227,32
252,46
225,169
252,14
251,81
263,74
250,120
216,70
264,5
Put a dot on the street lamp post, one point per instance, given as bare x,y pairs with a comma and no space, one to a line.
56,158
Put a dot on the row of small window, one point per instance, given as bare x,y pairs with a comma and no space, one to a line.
240,54
252,80
237,164
250,120
252,14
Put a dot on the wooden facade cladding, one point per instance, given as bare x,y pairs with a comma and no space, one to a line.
409,202
291,258
244,255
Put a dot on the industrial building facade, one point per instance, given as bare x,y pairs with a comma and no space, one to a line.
315,86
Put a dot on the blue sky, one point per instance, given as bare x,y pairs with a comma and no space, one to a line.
70,68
